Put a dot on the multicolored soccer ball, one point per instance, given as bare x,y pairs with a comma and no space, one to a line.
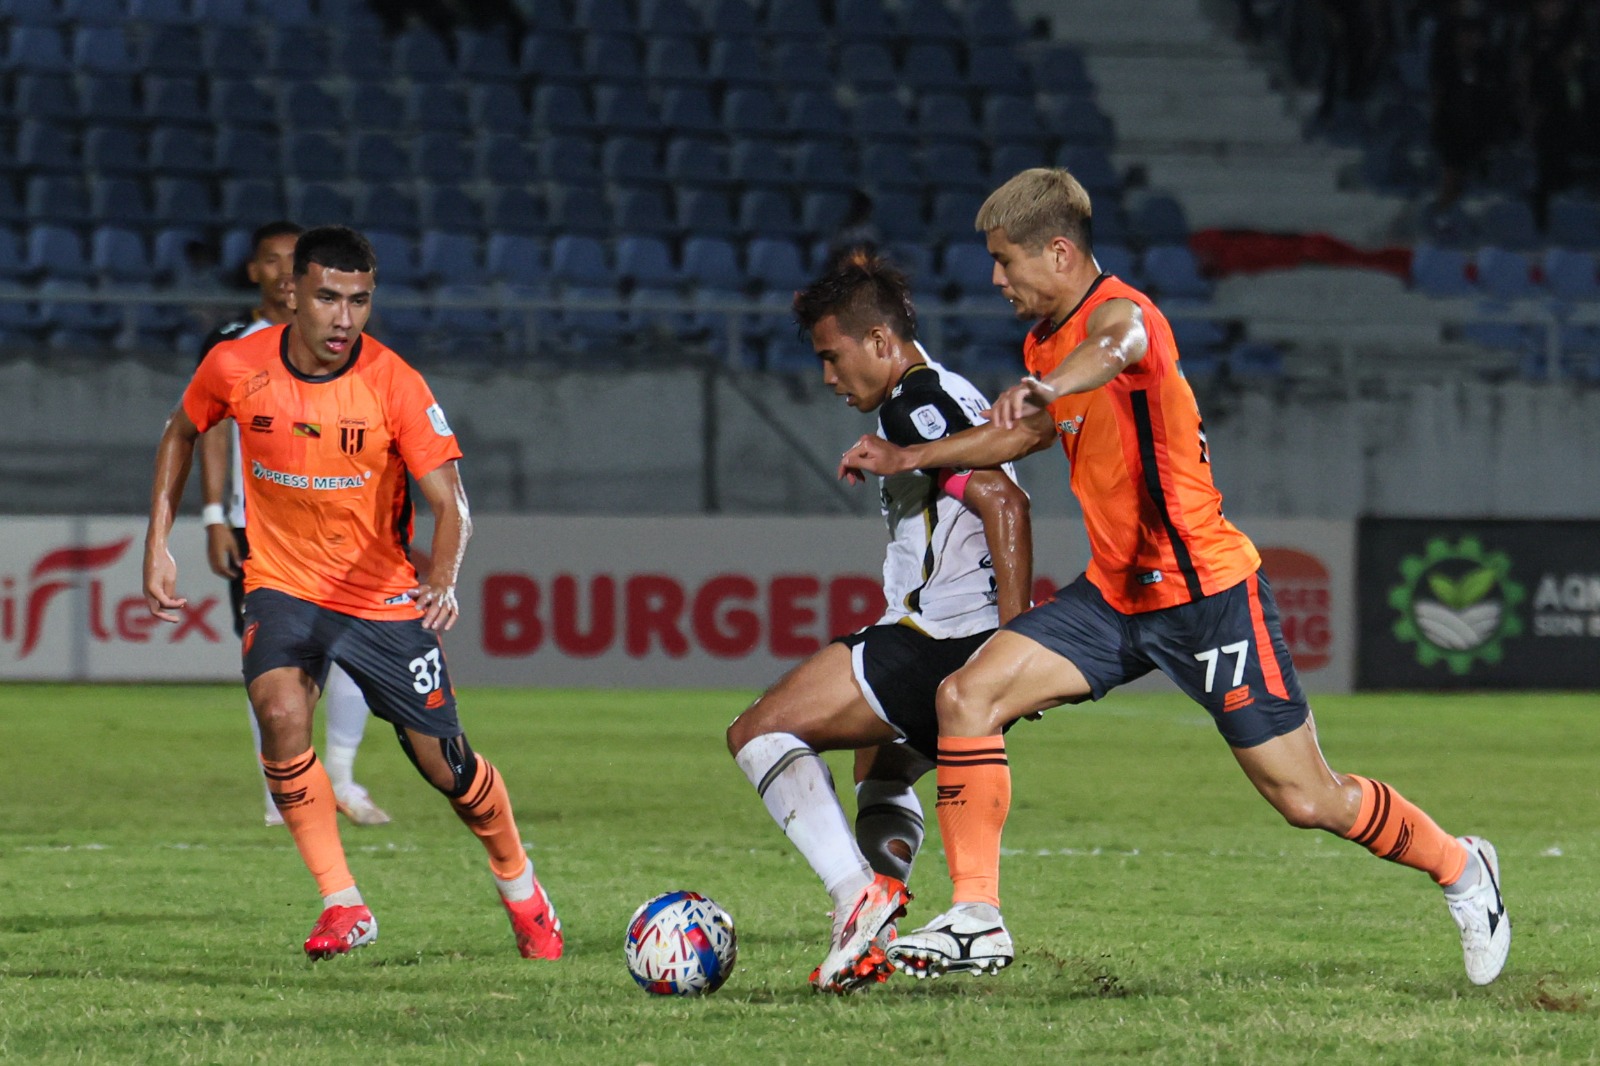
680,944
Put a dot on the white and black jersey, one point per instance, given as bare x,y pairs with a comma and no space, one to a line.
232,331
937,574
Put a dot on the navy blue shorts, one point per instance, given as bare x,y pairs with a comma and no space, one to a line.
398,666
1225,650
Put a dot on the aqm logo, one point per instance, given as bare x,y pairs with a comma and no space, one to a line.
1457,603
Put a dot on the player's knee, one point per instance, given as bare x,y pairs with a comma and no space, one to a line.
961,712
741,731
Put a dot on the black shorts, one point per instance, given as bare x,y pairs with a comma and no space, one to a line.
1226,651
236,584
398,666
899,670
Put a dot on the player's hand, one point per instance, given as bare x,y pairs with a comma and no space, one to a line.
161,585
1026,397
871,455
437,604
223,551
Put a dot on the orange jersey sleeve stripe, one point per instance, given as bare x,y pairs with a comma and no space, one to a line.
1270,670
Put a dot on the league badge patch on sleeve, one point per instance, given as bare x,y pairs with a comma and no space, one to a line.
440,426
929,422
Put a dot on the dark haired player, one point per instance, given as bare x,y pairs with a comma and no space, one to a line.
959,563
344,421
271,269
1171,585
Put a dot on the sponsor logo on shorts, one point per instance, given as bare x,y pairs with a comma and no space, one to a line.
261,424
250,636
435,700
1237,698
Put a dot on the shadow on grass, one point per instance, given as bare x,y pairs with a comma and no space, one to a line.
44,923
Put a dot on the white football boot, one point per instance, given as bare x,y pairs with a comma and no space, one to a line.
354,803
855,958
1480,913
964,939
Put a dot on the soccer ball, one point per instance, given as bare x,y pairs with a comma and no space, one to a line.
680,944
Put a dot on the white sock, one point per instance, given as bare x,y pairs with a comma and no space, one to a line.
518,888
347,721
345,897
1471,874
797,789
888,812
255,736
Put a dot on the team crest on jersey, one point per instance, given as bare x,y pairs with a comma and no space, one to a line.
352,435
929,422
308,429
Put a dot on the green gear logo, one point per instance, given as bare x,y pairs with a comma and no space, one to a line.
1457,603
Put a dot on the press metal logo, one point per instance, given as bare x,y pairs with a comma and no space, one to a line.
1457,603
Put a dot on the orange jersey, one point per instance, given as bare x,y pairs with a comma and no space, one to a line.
1140,469
325,462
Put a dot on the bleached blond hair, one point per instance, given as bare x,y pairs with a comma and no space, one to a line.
1038,205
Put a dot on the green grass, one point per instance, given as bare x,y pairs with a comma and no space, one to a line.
1162,912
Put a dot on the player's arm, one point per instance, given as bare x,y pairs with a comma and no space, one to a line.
222,544
174,455
452,527
978,448
1008,530
1115,341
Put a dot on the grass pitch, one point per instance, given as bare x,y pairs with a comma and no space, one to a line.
1162,912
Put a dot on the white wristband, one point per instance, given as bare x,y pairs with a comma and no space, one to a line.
212,514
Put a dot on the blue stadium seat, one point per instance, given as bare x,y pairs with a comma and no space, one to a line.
580,210
58,200
559,109
1509,224
420,54
1570,274
711,262
1574,222
758,163
823,165
169,252
891,166
441,157
313,157
174,101
252,198
230,13
929,20
118,202
1012,120
1092,167
946,117
630,161
11,255
792,18
1158,218
1173,273
436,109
387,207
731,19
1198,339
991,340
550,60
1007,160
866,67
898,215
879,118
401,316
992,24
932,67
823,211
119,255
815,116
613,58
997,68
305,107
1255,360
958,166
580,260
1118,259
768,213
740,63
177,151
31,12
236,248
467,330
316,204
570,160
451,208
170,50
450,258
1439,271
645,211
914,260
10,202
863,20
47,146
624,109
47,97
243,151
604,16
675,61
967,267
1505,274
70,321
954,212
801,65
644,260
669,18
284,12
515,259
687,110
694,162
36,50
496,109
705,212
504,159
515,210
184,202
94,12
485,57
56,252
1059,68
396,255
108,98
160,12
240,103
1075,120
103,50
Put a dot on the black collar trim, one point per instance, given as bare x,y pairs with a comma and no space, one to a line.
1047,329
317,379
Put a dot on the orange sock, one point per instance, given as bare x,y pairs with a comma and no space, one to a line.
486,808
304,795
1392,827
974,781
